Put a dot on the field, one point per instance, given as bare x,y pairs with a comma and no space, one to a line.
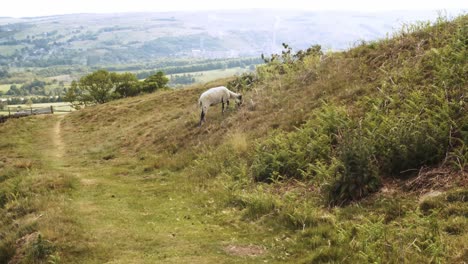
208,76
63,104
4,87
59,108
328,161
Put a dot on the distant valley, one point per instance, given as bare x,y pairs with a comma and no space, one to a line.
109,39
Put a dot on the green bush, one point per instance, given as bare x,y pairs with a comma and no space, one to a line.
39,250
359,174
290,155
410,132
243,83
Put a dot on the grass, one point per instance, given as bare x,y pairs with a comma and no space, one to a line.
141,216
59,107
136,217
5,87
31,186
208,76
156,225
136,180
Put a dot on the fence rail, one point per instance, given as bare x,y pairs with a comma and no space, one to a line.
17,112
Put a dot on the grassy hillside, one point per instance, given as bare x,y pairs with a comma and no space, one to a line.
350,157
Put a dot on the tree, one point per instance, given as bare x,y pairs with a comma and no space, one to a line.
3,104
102,86
13,90
155,82
4,73
29,102
72,94
98,85
126,84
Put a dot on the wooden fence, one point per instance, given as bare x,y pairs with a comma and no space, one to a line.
18,112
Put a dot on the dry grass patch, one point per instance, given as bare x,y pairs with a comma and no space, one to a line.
245,251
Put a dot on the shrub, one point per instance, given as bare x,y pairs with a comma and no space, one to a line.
242,83
40,249
290,155
411,132
359,173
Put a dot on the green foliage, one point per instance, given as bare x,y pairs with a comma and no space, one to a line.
288,57
288,61
74,95
359,174
35,87
417,119
4,73
242,83
126,84
396,135
155,82
183,79
258,204
102,86
295,154
98,85
39,250
410,132
330,147
177,66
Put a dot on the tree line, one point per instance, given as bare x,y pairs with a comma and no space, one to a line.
183,79
32,100
103,86
204,67
36,87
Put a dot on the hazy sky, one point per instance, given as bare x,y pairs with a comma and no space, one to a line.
21,8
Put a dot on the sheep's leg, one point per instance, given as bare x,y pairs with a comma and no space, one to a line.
222,103
202,118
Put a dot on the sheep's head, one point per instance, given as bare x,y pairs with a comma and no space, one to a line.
239,100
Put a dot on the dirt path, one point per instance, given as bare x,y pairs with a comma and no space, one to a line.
57,138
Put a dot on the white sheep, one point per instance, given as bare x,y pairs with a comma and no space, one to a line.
215,96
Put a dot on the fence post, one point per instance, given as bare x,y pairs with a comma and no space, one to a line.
52,109
9,112
31,109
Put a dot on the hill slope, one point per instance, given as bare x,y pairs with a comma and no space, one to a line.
351,157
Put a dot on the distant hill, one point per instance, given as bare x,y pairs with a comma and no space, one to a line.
103,39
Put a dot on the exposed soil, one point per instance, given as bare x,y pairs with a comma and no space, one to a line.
250,250
22,245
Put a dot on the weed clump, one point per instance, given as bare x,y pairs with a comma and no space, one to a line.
359,174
